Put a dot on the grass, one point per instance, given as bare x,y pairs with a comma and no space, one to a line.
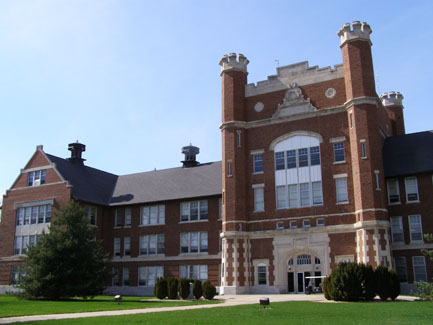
11,305
419,312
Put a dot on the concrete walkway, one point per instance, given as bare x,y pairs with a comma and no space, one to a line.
229,300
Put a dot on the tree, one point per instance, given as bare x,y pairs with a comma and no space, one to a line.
66,262
425,289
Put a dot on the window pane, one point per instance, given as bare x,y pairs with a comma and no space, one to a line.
193,210
27,214
281,197
127,216
184,242
145,216
261,273
142,276
339,151
258,163
203,242
293,196
259,204
305,194
400,268
152,244
411,189
161,216
291,159
34,215
341,186
419,268
303,157
194,242
143,245
317,193
415,228
279,160
203,210
393,192
48,213
184,216
396,229
161,244
20,216
315,156
153,215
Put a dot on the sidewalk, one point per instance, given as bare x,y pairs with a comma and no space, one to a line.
229,300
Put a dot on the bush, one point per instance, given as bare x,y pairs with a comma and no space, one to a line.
184,288
328,289
209,290
425,290
383,282
394,285
369,284
197,290
172,285
161,290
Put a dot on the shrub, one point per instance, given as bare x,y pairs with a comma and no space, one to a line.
328,288
172,285
394,285
161,290
209,290
369,284
197,290
383,282
184,288
425,290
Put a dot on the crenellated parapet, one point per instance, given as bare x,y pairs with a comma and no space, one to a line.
233,62
393,98
359,31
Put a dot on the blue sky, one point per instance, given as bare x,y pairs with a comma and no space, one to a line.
137,80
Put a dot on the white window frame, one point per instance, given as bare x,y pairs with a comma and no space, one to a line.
261,263
118,216
320,222
259,197
415,221
377,179
341,197
280,225
363,149
397,224
146,244
389,189
293,224
306,223
151,215
202,211
24,214
37,177
149,274
196,272
239,138
258,163
406,180
262,269
187,238
419,262
338,148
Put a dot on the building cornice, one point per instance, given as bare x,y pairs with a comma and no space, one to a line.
365,100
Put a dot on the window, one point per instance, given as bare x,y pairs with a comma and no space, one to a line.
238,138
262,274
127,217
197,272
415,228
258,163
305,194
32,215
279,160
193,242
393,191
220,208
315,156
303,259
147,275
293,196
194,210
125,275
259,201
341,188
411,189
351,119
317,193
116,246
280,225
21,243
17,273
152,215
115,277
281,197
419,270
397,229
293,224
320,222
36,178
303,157
306,223
316,260
229,168
376,176
118,217
126,246
363,150
400,268
91,214
152,244
339,152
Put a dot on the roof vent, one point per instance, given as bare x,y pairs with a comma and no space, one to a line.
76,150
190,152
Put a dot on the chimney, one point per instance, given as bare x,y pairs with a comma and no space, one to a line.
190,152
76,150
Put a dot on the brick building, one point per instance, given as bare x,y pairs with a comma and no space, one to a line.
316,169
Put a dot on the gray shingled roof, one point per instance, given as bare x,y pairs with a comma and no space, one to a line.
408,154
169,184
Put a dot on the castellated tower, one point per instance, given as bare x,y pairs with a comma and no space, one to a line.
303,180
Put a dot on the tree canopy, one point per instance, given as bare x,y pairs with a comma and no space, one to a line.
66,262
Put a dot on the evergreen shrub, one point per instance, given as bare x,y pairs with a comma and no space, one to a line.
161,289
209,290
197,290
184,288
172,284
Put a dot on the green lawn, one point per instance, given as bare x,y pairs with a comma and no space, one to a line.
12,306
304,313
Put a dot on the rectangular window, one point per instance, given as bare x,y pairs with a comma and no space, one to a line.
397,229
20,216
152,215
351,119
411,189
17,273
293,196
118,217
315,156
339,152
320,222
17,245
393,191
36,178
306,223
293,224
152,244
259,202
415,228
279,160
291,159
305,194
238,138
280,225
376,176
220,208
197,272
33,215
147,275
229,168
303,157
194,242
261,275
127,217
194,210
258,163
91,214
115,277
341,188
317,193
116,246
27,213
281,197
125,275
363,150
126,246
419,270
400,268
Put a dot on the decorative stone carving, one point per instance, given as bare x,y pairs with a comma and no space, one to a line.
330,93
294,103
259,107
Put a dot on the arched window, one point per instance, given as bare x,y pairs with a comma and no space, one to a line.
304,259
298,174
290,262
316,260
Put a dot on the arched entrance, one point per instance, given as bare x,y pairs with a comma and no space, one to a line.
299,269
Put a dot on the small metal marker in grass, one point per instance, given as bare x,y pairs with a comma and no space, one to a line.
264,301
118,299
